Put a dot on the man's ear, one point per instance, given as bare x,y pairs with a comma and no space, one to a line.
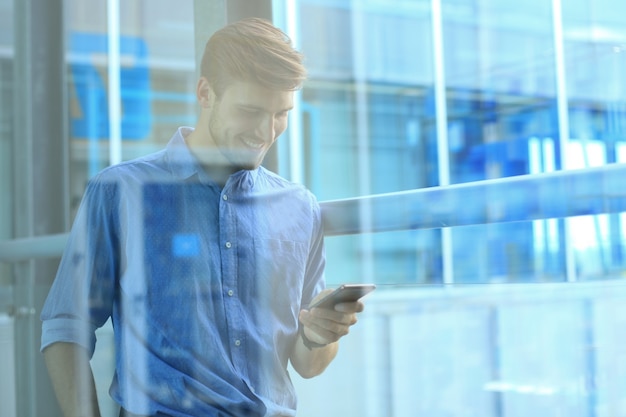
204,93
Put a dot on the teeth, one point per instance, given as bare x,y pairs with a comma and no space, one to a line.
252,143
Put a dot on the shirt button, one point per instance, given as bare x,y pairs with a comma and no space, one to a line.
230,293
237,342
228,245
224,197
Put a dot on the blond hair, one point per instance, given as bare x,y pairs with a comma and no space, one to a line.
252,50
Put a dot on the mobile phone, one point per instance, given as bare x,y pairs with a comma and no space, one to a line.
344,294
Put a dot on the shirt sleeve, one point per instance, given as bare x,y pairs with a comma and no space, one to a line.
81,297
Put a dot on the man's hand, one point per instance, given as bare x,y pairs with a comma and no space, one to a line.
324,325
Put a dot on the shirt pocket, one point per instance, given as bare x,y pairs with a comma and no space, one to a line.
279,270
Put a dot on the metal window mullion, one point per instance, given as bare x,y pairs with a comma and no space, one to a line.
24,208
114,84
360,64
359,61
41,161
296,139
443,158
563,123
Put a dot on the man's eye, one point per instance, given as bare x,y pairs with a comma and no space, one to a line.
250,112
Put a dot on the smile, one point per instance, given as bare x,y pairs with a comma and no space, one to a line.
255,144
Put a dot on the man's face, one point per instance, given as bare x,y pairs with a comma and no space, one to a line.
246,120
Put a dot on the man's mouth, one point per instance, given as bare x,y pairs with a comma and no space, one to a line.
252,143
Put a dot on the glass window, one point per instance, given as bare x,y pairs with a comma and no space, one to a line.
369,111
525,91
157,78
594,43
370,107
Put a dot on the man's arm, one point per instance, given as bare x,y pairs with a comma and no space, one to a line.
322,326
72,379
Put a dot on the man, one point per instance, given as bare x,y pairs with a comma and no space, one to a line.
204,261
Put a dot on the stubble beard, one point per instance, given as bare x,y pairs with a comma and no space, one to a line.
235,158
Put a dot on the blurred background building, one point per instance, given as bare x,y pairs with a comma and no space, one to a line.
511,306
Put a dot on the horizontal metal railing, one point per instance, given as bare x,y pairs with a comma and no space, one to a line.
49,246
521,198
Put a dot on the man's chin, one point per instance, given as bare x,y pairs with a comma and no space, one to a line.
248,161
248,166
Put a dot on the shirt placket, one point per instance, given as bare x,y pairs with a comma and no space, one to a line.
232,302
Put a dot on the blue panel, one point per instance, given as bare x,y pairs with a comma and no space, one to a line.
93,120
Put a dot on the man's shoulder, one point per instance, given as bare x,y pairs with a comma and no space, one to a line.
142,169
273,181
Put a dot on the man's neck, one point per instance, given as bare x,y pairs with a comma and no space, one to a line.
218,174
209,158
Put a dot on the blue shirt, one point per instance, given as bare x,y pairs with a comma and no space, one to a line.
203,284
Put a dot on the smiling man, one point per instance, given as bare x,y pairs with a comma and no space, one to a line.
204,260
242,124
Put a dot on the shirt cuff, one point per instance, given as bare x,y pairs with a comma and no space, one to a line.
68,330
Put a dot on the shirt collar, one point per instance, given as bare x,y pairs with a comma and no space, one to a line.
182,163
242,180
184,166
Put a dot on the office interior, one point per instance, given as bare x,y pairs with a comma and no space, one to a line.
468,156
